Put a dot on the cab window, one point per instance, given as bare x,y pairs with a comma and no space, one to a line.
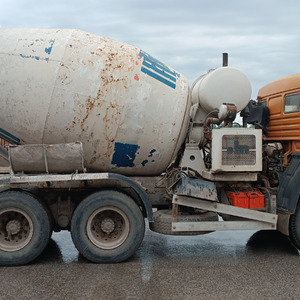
292,103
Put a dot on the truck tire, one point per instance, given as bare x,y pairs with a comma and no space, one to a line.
107,227
24,228
294,227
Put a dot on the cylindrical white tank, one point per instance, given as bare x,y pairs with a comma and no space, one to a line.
222,85
129,110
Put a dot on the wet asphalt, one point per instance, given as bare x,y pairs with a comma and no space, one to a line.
219,265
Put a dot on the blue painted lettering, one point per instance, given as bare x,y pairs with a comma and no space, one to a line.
158,70
34,57
151,152
48,50
124,155
9,137
144,162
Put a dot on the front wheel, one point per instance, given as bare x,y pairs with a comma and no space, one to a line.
294,227
107,227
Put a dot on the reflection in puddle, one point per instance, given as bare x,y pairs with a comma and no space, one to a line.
233,246
147,265
68,251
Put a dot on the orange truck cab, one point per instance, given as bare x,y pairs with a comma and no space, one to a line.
277,113
282,97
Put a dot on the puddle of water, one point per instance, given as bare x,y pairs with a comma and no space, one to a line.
64,241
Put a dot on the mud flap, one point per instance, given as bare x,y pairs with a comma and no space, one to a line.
289,188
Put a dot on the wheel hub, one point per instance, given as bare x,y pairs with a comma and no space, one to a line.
13,227
16,229
107,225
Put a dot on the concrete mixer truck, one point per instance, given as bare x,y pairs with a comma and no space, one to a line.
103,136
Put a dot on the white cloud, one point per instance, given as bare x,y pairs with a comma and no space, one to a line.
261,37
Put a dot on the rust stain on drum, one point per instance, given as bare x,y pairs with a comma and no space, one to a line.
111,111
90,104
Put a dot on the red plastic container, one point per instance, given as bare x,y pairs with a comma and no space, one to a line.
256,199
239,199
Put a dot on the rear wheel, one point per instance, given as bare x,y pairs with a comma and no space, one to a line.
294,227
107,227
24,228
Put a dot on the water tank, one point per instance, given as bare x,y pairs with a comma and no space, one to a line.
129,110
222,85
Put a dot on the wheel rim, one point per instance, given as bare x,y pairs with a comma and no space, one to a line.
108,228
16,229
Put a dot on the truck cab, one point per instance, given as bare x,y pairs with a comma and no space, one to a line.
282,97
277,112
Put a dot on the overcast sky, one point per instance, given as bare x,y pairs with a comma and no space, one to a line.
262,37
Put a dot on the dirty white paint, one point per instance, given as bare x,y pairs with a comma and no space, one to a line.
129,110
222,85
